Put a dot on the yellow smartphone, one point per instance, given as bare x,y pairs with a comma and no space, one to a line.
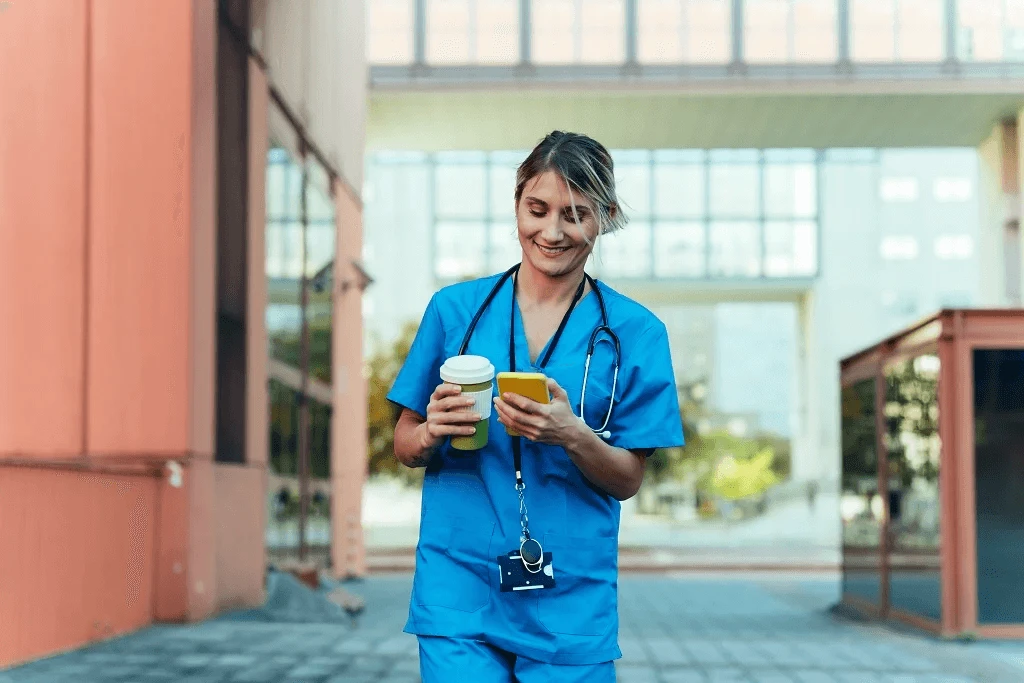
532,385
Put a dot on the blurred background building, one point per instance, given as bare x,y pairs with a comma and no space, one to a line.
185,335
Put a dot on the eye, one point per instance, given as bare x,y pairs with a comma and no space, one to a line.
535,212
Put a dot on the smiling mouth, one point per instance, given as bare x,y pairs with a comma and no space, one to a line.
551,251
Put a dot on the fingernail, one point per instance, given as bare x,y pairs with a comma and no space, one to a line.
475,416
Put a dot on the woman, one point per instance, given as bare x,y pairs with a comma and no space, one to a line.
574,472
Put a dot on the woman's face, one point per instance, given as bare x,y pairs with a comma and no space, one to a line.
552,242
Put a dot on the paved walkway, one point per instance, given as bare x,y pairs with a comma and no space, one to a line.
673,630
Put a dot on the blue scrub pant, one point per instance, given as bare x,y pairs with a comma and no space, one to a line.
447,660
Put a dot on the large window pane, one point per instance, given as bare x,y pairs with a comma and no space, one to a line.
991,30
684,31
735,249
679,249
389,31
679,190
791,249
578,31
999,483
767,31
505,248
896,30
503,191
460,249
472,31
921,30
790,190
815,23
626,253
860,504
872,31
633,186
460,190
735,189
913,447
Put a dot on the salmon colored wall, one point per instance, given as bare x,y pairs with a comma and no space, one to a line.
257,402
348,423
97,558
240,545
140,246
42,227
201,561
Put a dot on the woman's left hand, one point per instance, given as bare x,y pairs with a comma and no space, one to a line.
553,423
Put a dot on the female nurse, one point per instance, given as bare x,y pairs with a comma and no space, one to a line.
541,317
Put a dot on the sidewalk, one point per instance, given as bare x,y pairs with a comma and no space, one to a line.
754,629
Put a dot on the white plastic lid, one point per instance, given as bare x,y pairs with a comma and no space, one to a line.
467,370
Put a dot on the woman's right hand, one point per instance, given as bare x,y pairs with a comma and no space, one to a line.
448,414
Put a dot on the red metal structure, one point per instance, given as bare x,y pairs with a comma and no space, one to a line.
933,474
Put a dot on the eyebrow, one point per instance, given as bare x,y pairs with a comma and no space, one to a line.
580,208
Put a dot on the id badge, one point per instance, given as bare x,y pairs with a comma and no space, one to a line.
513,575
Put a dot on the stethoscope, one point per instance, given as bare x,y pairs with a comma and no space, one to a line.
595,338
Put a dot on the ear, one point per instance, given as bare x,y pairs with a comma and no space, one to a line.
613,211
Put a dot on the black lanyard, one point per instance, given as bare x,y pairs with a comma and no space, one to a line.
517,457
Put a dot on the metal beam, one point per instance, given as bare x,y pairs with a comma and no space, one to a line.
843,31
419,32
737,32
631,31
525,32
952,30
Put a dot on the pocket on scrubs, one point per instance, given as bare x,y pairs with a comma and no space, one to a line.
583,601
452,563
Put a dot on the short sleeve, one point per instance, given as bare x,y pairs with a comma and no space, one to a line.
646,411
420,374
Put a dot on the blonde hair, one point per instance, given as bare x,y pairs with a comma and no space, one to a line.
586,167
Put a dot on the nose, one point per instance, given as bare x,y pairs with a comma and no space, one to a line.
552,232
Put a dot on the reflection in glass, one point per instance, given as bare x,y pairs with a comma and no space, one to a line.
999,483
283,255
913,447
860,505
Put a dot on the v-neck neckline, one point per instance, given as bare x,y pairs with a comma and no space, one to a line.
520,331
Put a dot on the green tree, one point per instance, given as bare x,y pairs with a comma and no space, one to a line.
383,367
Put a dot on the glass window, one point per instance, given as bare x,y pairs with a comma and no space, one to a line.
460,190
790,190
791,248
505,248
461,249
684,31
735,189
389,31
679,190
626,253
472,31
787,31
860,505
991,30
999,483
503,191
895,190
913,447
633,187
680,249
578,31
735,249
896,30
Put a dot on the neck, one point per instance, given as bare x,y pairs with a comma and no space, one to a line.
539,288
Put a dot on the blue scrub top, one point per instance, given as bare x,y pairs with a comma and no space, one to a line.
470,509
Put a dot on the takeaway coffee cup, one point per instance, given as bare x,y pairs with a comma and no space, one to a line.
475,375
